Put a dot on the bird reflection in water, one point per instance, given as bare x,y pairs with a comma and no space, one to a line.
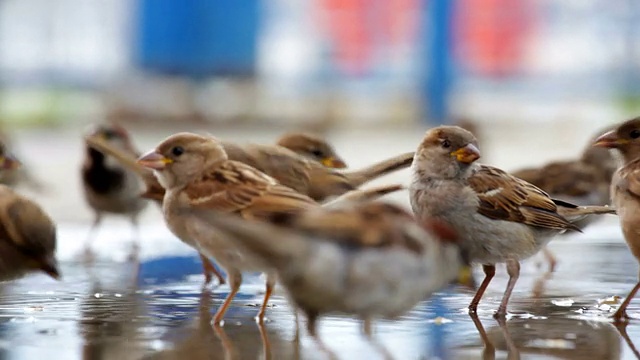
108,313
563,338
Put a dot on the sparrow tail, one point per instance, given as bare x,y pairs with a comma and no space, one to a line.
364,195
125,159
578,213
359,177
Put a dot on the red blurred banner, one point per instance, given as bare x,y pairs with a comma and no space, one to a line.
360,30
491,35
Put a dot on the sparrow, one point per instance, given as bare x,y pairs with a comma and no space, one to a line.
298,173
110,188
287,167
128,160
199,178
307,176
313,148
498,217
350,259
27,234
625,190
582,181
19,175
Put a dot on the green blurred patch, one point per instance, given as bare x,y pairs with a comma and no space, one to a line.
629,102
46,107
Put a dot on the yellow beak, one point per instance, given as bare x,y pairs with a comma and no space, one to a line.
609,140
467,154
332,162
154,160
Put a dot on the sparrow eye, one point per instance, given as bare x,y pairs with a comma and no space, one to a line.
446,144
316,152
177,151
635,133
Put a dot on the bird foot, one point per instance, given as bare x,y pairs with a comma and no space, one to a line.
501,314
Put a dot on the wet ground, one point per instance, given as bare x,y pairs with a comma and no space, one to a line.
157,309
122,305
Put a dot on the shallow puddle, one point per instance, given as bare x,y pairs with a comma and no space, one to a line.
117,307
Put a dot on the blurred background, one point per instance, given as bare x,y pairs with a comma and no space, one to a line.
536,79
318,63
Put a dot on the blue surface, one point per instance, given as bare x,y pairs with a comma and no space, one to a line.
170,269
198,38
437,32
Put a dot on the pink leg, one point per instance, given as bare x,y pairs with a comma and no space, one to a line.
513,269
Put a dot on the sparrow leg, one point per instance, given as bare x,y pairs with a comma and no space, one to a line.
513,269
622,310
135,244
368,334
209,270
367,328
312,328
94,226
271,283
489,273
135,228
235,279
551,259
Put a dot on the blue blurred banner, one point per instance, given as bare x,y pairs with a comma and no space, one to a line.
197,38
437,32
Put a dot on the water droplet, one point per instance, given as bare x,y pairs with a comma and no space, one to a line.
562,302
30,309
440,321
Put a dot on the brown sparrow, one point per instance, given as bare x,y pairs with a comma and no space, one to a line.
582,181
18,175
282,164
154,192
313,148
350,259
310,177
199,178
625,190
28,240
110,188
498,217
298,173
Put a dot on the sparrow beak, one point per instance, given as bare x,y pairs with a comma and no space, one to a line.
467,154
333,162
609,140
9,162
465,277
49,266
153,160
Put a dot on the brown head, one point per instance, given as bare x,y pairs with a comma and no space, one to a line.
8,162
446,152
625,138
313,148
182,157
113,134
29,232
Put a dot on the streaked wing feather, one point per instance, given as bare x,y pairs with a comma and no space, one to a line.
505,197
